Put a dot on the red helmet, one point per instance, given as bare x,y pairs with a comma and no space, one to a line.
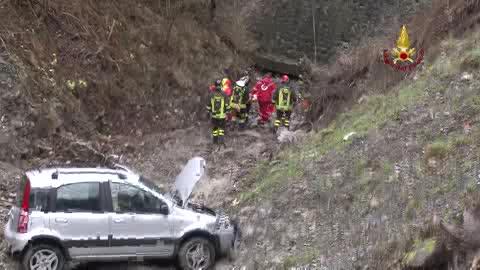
285,79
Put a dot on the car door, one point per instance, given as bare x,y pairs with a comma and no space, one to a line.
78,219
137,225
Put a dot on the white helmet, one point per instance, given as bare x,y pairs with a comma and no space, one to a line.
240,83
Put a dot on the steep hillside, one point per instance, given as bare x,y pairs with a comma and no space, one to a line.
339,203
85,80
74,69
359,70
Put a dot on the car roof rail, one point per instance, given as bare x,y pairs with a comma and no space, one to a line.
57,172
105,165
121,167
98,165
76,165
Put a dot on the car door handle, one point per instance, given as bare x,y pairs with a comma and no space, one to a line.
61,220
119,220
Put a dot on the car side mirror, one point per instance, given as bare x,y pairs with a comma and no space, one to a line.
164,209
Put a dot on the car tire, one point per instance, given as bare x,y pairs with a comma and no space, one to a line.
43,250
185,260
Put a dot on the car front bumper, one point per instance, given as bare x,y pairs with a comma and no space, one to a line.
228,238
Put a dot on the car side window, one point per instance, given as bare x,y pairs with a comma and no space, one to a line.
128,198
78,197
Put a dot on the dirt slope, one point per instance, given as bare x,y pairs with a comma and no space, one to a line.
78,69
161,156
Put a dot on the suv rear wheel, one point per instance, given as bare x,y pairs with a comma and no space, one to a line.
196,253
43,256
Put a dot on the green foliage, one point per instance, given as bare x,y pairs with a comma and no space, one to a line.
359,167
461,140
441,148
306,258
420,247
268,177
387,167
474,101
374,113
438,149
472,59
413,207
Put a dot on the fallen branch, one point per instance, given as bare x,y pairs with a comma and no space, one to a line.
79,24
31,7
111,29
4,45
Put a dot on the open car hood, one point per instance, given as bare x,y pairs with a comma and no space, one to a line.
188,178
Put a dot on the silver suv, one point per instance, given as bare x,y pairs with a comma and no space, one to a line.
107,214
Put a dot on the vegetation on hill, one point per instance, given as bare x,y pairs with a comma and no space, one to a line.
414,153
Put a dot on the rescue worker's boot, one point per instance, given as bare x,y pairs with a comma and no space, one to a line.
221,137
245,122
276,125
286,122
221,142
247,116
242,124
215,136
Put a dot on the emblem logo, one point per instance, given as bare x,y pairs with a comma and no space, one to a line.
403,55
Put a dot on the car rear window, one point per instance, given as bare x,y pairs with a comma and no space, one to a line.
38,198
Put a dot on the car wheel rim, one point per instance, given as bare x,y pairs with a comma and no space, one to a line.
198,256
44,259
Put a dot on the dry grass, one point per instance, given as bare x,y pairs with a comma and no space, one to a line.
140,59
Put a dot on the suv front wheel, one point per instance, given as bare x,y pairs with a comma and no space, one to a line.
43,256
196,253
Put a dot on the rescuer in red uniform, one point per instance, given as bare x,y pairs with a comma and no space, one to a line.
263,92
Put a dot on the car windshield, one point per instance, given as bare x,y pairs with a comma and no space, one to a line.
151,185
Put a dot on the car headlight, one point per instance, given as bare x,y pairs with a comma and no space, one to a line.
226,223
223,222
